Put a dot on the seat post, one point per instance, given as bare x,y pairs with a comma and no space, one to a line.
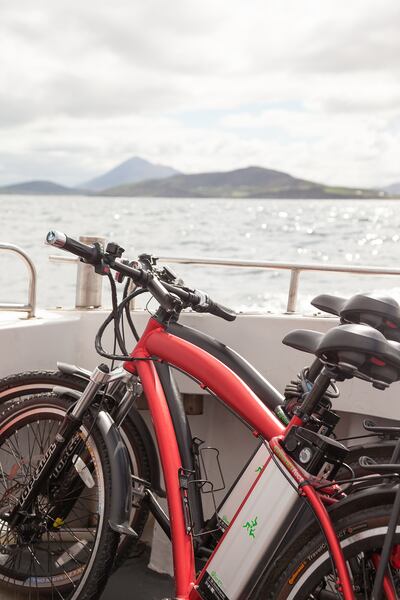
317,391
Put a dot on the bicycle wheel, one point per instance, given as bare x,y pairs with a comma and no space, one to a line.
23,385
305,571
64,548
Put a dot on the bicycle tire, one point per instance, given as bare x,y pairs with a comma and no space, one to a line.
306,564
28,383
46,572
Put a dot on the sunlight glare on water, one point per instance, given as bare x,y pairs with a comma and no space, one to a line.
302,231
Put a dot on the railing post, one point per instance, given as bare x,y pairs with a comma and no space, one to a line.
89,285
293,289
30,308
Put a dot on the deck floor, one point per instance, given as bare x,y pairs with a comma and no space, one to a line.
133,581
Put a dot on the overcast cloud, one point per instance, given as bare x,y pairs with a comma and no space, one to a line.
312,88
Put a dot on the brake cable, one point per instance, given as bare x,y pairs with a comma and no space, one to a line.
115,316
128,312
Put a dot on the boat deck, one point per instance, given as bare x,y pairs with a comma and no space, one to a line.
135,575
133,580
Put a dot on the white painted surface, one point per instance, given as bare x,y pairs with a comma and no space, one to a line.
69,336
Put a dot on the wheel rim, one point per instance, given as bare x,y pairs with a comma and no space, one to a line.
47,554
373,538
28,390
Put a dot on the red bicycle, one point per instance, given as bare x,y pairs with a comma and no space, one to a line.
295,534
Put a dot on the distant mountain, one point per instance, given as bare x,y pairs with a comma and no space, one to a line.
252,182
393,189
131,171
39,188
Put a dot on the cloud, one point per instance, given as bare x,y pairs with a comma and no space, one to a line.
84,85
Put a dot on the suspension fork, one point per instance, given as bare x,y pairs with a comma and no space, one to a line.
60,450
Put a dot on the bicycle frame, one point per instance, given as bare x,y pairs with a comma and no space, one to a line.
157,344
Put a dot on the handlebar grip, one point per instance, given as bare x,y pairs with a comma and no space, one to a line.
58,239
221,311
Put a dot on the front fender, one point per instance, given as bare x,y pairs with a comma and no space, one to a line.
121,485
136,418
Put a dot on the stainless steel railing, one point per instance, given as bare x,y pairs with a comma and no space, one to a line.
295,270
89,285
30,307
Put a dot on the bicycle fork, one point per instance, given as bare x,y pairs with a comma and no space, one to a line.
58,453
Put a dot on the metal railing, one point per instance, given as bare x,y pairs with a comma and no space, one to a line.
89,284
30,307
295,270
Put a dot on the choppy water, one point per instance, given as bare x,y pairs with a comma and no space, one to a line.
346,232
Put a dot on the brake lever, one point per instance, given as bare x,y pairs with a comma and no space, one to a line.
148,261
168,275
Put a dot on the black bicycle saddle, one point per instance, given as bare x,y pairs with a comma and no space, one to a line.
305,340
380,312
357,350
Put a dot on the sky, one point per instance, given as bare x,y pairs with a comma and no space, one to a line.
307,87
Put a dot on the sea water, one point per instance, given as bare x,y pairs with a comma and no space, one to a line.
349,232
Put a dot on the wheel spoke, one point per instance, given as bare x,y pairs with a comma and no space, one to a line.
41,554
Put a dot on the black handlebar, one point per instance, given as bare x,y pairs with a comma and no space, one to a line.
167,300
90,254
219,310
201,302
169,296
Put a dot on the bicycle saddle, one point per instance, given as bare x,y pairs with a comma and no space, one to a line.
380,312
305,340
358,350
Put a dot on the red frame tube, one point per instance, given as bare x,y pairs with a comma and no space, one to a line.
323,517
182,547
220,380
387,584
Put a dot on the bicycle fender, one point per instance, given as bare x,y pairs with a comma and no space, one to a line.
134,416
384,442
366,498
69,369
303,518
121,497
150,447
66,393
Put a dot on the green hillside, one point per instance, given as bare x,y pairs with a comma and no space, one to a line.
251,182
38,188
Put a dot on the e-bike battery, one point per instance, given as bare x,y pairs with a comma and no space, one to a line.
256,529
